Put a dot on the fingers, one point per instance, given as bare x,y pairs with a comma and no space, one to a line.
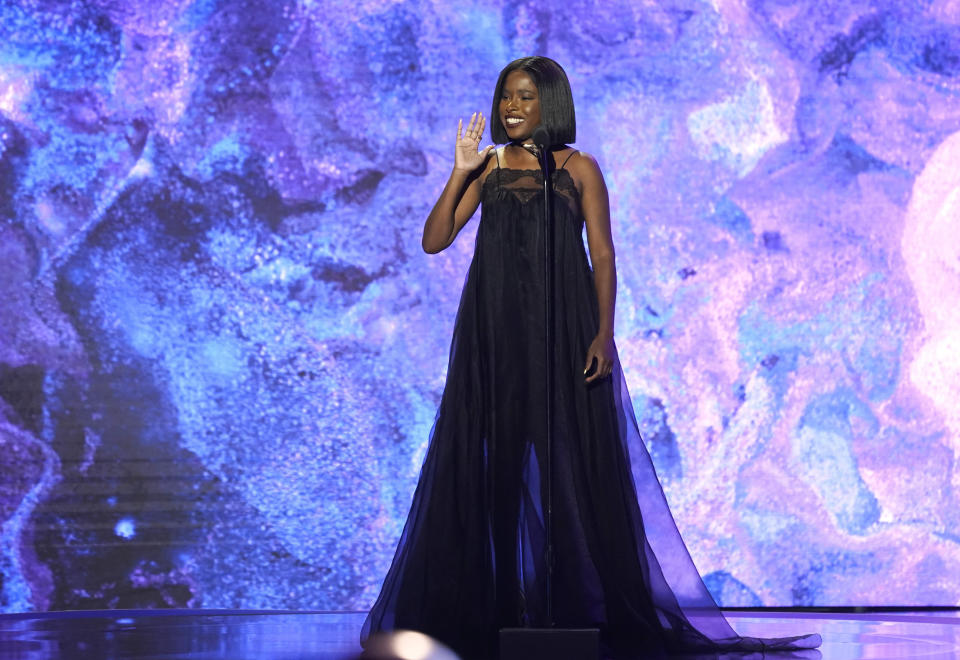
474,127
470,138
601,372
470,126
607,369
593,367
604,367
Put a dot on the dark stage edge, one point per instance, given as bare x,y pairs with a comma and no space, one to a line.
258,635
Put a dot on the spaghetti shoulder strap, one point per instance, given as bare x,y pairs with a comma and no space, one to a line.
572,153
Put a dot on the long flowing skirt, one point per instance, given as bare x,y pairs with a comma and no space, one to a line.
472,558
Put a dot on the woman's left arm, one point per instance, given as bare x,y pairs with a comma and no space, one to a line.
596,213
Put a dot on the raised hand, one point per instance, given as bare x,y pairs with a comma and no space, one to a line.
468,156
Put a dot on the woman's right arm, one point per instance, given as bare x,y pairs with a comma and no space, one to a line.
461,196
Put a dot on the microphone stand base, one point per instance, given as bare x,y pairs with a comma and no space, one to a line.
549,644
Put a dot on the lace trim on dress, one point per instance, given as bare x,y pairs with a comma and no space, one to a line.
525,185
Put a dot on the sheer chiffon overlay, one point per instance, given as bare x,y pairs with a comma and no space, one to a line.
472,558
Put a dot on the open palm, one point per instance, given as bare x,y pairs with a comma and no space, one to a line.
468,156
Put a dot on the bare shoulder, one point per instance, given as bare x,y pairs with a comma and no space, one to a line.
489,164
584,169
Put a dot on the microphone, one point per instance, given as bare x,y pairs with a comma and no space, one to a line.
541,137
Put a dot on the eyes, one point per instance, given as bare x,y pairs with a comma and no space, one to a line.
523,97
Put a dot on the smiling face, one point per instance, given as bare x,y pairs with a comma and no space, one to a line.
519,106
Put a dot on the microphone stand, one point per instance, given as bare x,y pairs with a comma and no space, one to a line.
541,138
548,643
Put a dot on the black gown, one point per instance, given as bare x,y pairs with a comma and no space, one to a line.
471,559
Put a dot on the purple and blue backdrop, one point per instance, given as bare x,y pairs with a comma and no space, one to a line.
221,347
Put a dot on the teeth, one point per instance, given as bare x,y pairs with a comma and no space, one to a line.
514,120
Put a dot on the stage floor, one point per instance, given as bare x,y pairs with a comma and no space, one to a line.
242,635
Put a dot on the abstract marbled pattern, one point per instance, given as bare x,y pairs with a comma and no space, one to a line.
221,347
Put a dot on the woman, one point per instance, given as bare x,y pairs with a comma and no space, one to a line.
472,557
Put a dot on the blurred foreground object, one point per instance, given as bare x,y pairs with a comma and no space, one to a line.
406,645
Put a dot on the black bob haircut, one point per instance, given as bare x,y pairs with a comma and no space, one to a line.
556,99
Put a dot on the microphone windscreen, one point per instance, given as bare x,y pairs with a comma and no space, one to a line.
541,137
